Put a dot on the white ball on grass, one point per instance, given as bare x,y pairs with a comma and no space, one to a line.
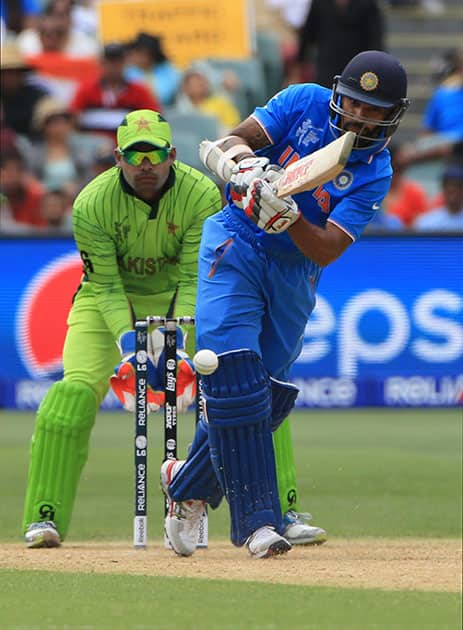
205,361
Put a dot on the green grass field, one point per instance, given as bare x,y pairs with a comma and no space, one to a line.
362,473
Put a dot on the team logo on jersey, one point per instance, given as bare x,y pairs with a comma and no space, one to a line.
121,230
369,81
308,134
343,180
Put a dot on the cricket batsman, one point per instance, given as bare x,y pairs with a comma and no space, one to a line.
137,227
261,259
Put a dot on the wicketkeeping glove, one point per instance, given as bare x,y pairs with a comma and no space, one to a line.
242,175
266,210
123,379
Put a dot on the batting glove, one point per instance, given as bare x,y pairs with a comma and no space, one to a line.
242,175
266,210
123,380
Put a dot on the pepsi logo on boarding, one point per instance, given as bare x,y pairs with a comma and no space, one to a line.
42,315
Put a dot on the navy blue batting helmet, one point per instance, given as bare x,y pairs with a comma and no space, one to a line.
374,77
378,79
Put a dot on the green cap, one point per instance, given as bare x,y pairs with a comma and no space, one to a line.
144,125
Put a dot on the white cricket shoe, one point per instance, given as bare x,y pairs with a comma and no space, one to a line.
265,543
183,520
298,532
42,534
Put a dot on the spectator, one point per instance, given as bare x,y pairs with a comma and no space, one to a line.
449,217
19,14
56,212
443,118
444,112
198,94
103,161
21,194
406,198
294,12
102,103
338,30
9,139
85,17
56,157
55,32
18,96
456,155
149,65
384,222
56,70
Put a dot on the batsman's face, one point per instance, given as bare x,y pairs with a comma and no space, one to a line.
146,179
361,117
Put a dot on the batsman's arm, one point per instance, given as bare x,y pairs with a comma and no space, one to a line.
243,140
344,225
323,245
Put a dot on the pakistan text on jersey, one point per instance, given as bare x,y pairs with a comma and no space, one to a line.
146,266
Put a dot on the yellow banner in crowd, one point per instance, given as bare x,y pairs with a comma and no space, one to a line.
190,29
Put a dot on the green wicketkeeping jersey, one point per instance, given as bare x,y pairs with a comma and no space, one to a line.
131,250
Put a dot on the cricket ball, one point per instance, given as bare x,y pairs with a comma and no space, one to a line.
205,361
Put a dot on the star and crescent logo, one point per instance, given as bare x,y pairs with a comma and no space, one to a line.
142,124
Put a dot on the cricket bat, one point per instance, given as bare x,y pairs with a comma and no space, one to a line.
305,174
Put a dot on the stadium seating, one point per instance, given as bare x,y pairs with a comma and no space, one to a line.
250,72
188,129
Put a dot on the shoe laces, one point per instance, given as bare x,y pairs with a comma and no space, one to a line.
42,524
296,518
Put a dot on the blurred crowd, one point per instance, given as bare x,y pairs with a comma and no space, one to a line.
63,95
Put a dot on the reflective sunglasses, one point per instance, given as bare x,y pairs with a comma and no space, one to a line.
135,158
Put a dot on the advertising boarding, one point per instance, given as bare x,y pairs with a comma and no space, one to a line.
387,329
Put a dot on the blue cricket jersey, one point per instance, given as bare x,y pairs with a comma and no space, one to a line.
258,290
296,121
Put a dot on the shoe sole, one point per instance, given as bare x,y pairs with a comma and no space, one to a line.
307,542
46,540
277,548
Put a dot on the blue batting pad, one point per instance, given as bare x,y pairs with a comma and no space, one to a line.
283,400
196,479
238,410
